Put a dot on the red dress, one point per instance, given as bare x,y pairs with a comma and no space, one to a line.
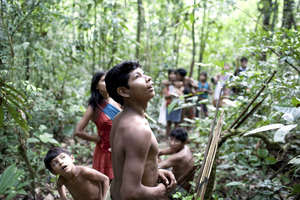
102,154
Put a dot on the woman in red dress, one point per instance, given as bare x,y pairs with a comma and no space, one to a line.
101,110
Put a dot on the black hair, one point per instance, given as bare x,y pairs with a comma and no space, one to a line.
179,134
96,97
171,71
244,59
181,71
51,154
118,76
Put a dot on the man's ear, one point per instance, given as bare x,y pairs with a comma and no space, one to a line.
123,91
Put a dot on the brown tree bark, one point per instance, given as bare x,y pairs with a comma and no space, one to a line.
193,42
203,36
139,28
288,19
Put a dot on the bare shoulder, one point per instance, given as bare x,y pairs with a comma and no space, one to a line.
91,174
134,128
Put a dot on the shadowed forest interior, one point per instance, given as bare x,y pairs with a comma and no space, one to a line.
50,49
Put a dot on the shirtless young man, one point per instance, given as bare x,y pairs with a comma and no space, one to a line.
83,183
134,146
180,159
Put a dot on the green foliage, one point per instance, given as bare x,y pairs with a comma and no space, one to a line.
10,183
49,50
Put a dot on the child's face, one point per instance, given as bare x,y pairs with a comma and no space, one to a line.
202,78
62,164
175,144
172,76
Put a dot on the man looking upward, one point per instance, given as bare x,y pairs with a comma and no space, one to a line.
134,146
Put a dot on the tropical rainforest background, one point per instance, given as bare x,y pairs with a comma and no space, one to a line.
49,50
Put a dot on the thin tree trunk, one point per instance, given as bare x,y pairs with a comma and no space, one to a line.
115,39
203,37
139,28
193,41
94,38
288,20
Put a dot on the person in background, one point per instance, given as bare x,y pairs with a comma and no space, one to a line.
243,66
204,90
189,89
172,90
101,110
220,81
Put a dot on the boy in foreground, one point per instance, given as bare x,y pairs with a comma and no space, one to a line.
82,182
180,159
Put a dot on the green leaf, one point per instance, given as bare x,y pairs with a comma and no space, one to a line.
235,184
295,161
264,128
8,178
32,140
17,117
47,138
295,101
262,153
296,189
282,132
270,160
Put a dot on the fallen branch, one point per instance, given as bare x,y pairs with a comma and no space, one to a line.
249,114
253,100
285,60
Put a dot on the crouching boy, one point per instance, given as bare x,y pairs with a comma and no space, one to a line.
83,183
180,158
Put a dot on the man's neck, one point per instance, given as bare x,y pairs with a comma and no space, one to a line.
139,108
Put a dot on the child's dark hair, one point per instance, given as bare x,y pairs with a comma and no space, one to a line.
244,59
182,72
179,134
52,153
118,77
204,74
96,97
170,71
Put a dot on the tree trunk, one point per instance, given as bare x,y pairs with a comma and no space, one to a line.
194,42
288,20
115,39
203,36
139,28
94,38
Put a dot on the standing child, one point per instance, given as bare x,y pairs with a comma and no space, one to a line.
82,182
204,89
171,91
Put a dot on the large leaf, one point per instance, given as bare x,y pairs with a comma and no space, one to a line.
295,161
282,132
17,117
235,184
8,178
290,113
264,128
